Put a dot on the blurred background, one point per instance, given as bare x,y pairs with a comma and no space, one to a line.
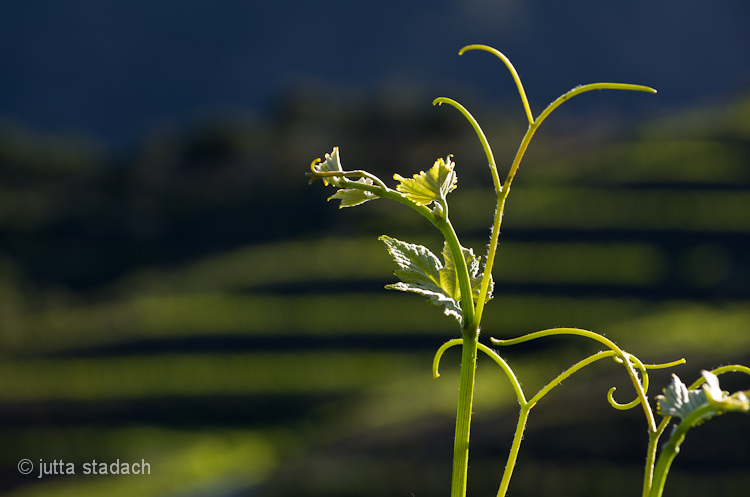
172,290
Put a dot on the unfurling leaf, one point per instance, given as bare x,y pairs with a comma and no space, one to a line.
429,186
330,164
422,272
678,400
351,196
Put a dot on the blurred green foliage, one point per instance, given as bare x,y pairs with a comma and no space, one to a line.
163,304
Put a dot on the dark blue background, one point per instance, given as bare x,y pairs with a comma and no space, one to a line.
185,292
115,69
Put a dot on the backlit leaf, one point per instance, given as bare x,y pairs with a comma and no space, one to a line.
422,272
678,401
448,274
429,186
351,196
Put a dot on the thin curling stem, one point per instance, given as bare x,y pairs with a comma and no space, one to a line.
568,372
492,249
733,368
645,380
439,355
624,356
508,372
513,73
584,88
482,138
535,123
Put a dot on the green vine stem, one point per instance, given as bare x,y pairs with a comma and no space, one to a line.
471,330
672,447
460,473
471,315
502,190
653,445
430,189
492,249
526,405
463,421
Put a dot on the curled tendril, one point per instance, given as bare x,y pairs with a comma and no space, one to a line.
616,354
644,384
645,380
628,360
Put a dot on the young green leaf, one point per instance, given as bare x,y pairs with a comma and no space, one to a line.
351,196
429,186
448,274
678,400
422,272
